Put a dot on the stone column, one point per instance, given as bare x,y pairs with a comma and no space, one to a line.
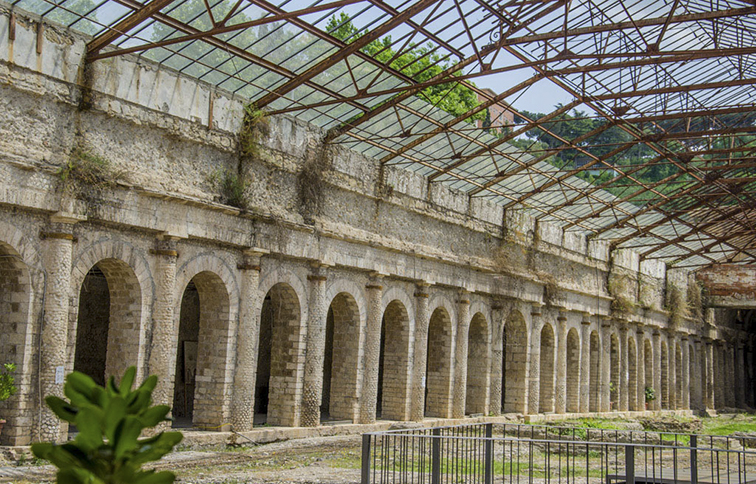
657,369
709,387
373,322
422,320
585,364
560,389
606,367
640,370
624,379
247,338
162,361
317,313
685,404
672,369
460,355
732,373
57,257
497,355
534,375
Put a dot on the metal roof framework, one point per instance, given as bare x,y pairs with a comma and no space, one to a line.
675,79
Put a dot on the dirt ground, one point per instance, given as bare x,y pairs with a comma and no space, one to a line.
317,460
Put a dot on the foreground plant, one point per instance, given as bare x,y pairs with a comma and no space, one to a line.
110,419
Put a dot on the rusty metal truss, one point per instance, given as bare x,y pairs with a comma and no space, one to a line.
656,151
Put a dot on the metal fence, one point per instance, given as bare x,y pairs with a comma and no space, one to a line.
533,454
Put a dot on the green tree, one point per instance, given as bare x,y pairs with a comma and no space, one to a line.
110,420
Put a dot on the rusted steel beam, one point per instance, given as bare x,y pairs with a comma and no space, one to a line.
345,52
446,76
615,27
675,89
124,26
222,29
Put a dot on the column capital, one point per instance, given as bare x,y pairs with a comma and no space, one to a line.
67,218
166,246
535,309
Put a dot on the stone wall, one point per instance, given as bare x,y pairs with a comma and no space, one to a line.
400,262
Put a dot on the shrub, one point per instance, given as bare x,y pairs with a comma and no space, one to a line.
110,420
650,394
7,382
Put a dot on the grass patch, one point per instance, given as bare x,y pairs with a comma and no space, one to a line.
231,186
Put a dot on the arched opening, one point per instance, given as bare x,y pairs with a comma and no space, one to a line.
614,373
546,387
573,371
648,361
515,363
15,308
438,368
664,376
108,321
677,400
279,358
632,374
393,369
595,379
201,390
476,400
342,352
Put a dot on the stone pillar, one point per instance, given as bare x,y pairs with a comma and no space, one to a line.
317,313
373,320
460,355
624,379
422,320
497,355
672,369
57,257
640,371
606,358
534,375
657,369
560,389
709,387
247,338
585,364
685,404
731,350
162,361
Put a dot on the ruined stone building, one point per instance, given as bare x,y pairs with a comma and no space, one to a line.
150,217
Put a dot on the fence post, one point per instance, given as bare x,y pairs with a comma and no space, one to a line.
436,457
489,454
365,459
693,459
630,464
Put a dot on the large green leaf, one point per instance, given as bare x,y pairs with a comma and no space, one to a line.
127,381
61,408
126,436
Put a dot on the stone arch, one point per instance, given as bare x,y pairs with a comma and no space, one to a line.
280,360
648,370
136,267
438,370
515,363
614,372
573,371
664,376
108,316
677,399
398,294
546,385
632,374
341,365
478,365
202,392
595,372
16,326
394,369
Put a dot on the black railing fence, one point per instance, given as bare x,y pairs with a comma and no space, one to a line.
536,454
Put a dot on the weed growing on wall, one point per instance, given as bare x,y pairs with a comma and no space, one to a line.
254,126
677,306
86,174
310,184
231,188
620,288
